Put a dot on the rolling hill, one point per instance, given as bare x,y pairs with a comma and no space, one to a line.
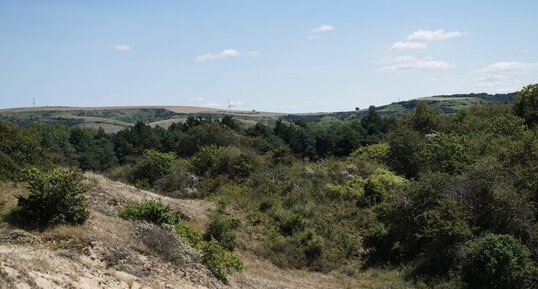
113,119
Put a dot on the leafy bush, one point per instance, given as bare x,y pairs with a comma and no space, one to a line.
312,245
220,261
189,234
291,224
205,160
376,153
381,186
153,166
211,161
223,230
56,198
496,261
153,211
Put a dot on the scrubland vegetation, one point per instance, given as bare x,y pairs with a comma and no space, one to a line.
448,199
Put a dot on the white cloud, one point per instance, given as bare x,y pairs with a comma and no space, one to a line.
509,68
323,28
408,45
505,76
433,35
122,47
318,32
410,63
226,53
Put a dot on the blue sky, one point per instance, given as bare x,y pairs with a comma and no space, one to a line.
293,56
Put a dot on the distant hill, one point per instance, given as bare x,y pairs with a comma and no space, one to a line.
113,119
117,118
444,103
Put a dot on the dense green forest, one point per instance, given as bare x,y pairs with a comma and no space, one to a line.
449,197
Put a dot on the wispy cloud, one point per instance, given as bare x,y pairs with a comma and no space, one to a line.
122,47
505,76
319,31
433,35
408,45
323,28
513,67
226,53
410,63
418,39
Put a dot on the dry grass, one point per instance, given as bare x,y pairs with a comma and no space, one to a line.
70,237
8,197
262,274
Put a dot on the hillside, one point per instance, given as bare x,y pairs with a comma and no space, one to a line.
114,119
103,253
443,103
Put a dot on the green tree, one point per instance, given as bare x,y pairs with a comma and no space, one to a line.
496,262
56,198
404,147
424,118
526,104
19,149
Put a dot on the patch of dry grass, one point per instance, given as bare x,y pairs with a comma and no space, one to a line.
8,197
262,274
69,237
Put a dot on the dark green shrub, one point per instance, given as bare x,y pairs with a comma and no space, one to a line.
441,232
153,166
220,261
312,245
152,211
223,230
56,198
292,224
496,262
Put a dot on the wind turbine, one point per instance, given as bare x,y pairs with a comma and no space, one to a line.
230,105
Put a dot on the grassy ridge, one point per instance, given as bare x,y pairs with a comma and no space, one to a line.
116,119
